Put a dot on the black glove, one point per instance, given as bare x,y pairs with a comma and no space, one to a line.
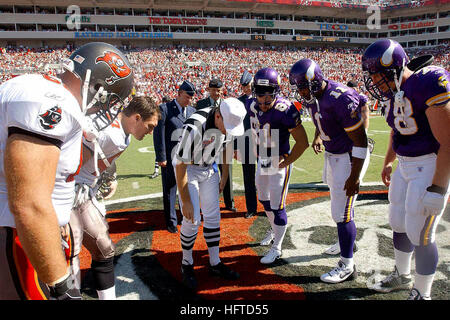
65,290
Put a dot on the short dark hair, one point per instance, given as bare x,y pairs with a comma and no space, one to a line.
145,106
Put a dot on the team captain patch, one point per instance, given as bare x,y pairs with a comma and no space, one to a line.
50,118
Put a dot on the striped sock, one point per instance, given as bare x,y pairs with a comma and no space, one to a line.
212,238
187,243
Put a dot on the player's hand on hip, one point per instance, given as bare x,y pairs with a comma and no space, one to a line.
351,186
433,203
386,175
188,210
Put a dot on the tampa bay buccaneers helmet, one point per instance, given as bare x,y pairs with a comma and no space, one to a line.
107,80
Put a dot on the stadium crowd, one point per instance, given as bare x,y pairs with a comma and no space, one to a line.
160,70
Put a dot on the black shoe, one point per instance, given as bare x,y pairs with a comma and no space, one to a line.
172,229
221,270
231,209
249,214
189,279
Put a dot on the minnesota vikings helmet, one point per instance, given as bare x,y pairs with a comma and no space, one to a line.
387,59
266,81
306,74
106,77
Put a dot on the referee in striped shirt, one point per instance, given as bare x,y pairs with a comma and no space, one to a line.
203,144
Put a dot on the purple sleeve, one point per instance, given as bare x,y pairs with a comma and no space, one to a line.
362,100
436,91
291,118
348,111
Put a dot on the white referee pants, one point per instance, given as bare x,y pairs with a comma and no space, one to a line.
203,186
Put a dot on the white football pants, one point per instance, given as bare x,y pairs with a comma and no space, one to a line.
408,185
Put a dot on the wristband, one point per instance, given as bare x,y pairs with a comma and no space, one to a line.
359,152
436,189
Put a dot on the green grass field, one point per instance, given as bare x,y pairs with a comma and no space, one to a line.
136,164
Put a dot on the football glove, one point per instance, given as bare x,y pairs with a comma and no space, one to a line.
65,290
89,131
433,203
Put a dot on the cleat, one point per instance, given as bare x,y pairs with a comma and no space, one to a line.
221,270
335,249
393,282
415,295
268,238
189,279
339,274
271,256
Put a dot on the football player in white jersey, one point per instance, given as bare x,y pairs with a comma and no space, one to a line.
40,145
88,222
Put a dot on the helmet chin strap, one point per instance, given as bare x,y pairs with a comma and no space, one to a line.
85,89
100,95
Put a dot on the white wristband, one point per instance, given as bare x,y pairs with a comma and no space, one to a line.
359,152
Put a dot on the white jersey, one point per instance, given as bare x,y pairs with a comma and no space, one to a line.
42,106
112,141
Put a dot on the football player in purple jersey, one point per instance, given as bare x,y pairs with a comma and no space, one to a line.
418,111
335,111
273,120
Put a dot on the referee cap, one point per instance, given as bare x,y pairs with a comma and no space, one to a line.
233,113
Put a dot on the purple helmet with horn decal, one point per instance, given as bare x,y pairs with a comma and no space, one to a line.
387,58
306,73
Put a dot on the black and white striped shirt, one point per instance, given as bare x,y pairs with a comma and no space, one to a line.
200,141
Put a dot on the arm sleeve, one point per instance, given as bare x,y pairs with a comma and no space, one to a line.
42,119
184,150
292,117
438,88
348,112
